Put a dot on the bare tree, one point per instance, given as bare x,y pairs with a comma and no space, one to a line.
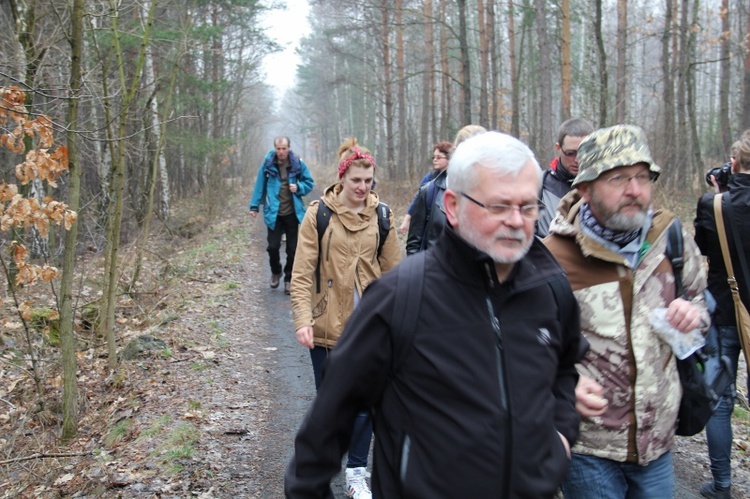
602,57
565,60
545,136
465,63
621,95
724,78
67,336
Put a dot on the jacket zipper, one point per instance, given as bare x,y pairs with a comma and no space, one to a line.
501,378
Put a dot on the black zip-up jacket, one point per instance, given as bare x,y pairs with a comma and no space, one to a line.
428,217
707,240
474,407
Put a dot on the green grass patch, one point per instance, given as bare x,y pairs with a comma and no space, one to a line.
199,367
117,433
155,428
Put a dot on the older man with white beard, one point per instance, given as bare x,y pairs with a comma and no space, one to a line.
612,246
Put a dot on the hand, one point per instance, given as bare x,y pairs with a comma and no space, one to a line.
305,337
717,189
293,188
565,443
405,224
590,399
254,214
683,315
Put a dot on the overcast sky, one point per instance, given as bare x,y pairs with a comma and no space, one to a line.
287,27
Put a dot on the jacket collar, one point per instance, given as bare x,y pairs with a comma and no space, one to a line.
269,164
469,265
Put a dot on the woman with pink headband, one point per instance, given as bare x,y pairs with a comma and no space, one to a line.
332,270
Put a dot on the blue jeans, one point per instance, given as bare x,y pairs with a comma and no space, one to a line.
596,478
719,427
359,445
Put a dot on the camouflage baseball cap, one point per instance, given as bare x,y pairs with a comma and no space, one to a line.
608,148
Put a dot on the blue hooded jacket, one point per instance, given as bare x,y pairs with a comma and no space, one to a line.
268,186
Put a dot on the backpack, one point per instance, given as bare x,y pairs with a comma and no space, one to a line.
324,216
408,298
700,395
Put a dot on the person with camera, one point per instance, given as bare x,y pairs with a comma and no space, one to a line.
733,178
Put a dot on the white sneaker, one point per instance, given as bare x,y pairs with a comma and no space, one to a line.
356,483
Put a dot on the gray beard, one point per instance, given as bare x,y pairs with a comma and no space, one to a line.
624,223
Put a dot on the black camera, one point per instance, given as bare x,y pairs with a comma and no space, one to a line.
721,174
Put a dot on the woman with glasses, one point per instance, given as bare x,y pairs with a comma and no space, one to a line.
441,154
428,216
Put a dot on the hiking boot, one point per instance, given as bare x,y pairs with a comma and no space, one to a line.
287,288
356,483
709,490
275,279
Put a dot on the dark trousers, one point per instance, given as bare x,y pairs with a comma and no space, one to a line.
285,224
359,445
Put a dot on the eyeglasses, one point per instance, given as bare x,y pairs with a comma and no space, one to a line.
570,154
503,211
622,181
440,157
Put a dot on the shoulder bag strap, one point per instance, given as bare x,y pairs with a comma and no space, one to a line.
720,229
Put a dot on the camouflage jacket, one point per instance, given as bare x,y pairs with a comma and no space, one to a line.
635,367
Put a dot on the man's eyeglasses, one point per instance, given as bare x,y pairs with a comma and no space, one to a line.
440,157
621,181
503,211
570,154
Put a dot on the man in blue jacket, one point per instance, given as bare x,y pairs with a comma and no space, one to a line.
283,181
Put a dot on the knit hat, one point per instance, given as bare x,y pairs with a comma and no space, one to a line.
608,148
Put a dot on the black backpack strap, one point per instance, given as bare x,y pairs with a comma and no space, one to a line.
675,253
384,224
407,301
563,299
321,222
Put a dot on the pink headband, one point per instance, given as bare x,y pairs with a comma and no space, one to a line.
344,165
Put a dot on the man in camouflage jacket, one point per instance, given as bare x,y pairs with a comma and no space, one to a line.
611,244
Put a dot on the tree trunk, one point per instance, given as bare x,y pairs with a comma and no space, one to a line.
426,134
494,68
390,150
621,96
515,114
446,108
463,43
681,156
115,219
567,74
603,74
667,135
724,78
158,161
67,335
484,72
695,143
404,165
546,139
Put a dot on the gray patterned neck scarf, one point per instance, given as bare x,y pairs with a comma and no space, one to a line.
620,238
